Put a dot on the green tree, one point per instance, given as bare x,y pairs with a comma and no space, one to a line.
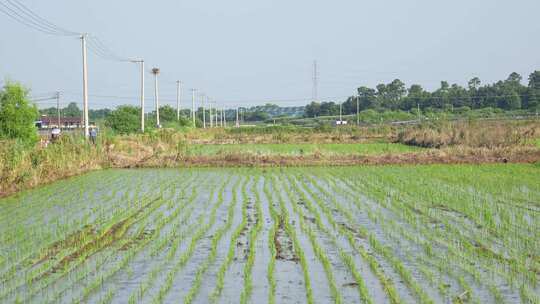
514,78
124,120
474,83
513,101
72,110
167,113
368,99
533,91
17,114
313,109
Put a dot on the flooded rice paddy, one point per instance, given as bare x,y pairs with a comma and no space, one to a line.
391,234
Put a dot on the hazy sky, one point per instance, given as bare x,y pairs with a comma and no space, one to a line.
250,52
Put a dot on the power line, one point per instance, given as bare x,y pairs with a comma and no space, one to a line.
25,16
22,14
99,48
35,16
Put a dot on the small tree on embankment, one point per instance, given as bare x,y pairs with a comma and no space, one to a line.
17,114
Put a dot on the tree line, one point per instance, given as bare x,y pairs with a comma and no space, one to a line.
509,94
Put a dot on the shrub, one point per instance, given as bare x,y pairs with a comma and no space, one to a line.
124,120
17,114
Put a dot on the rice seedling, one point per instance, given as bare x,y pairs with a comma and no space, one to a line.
425,234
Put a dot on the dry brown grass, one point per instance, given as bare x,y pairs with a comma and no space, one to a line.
331,135
450,155
471,134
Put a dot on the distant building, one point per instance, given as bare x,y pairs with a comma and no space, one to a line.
49,122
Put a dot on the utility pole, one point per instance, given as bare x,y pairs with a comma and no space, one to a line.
210,112
214,106
141,61
85,86
340,111
155,71
58,107
142,95
315,81
237,122
193,106
178,95
203,112
224,118
357,109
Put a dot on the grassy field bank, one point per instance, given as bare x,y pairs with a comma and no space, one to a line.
358,234
23,167
300,149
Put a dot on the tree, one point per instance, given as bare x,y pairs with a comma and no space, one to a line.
513,101
72,110
313,109
167,113
514,78
533,91
17,114
474,83
368,98
534,80
417,97
329,108
125,119
256,116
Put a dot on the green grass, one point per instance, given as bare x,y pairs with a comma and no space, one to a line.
302,149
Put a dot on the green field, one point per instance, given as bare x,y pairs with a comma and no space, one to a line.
301,149
390,234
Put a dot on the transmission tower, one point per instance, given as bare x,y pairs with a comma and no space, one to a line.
314,92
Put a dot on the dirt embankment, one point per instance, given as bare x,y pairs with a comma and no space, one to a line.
160,156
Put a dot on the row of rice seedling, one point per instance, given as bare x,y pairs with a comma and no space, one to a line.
395,231
150,217
289,229
270,272
253,233
352,237
394,234
220,279
449,228
183,259
319,252
165,248
145,239
449,232
345,257
188,298
81,257
35,236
